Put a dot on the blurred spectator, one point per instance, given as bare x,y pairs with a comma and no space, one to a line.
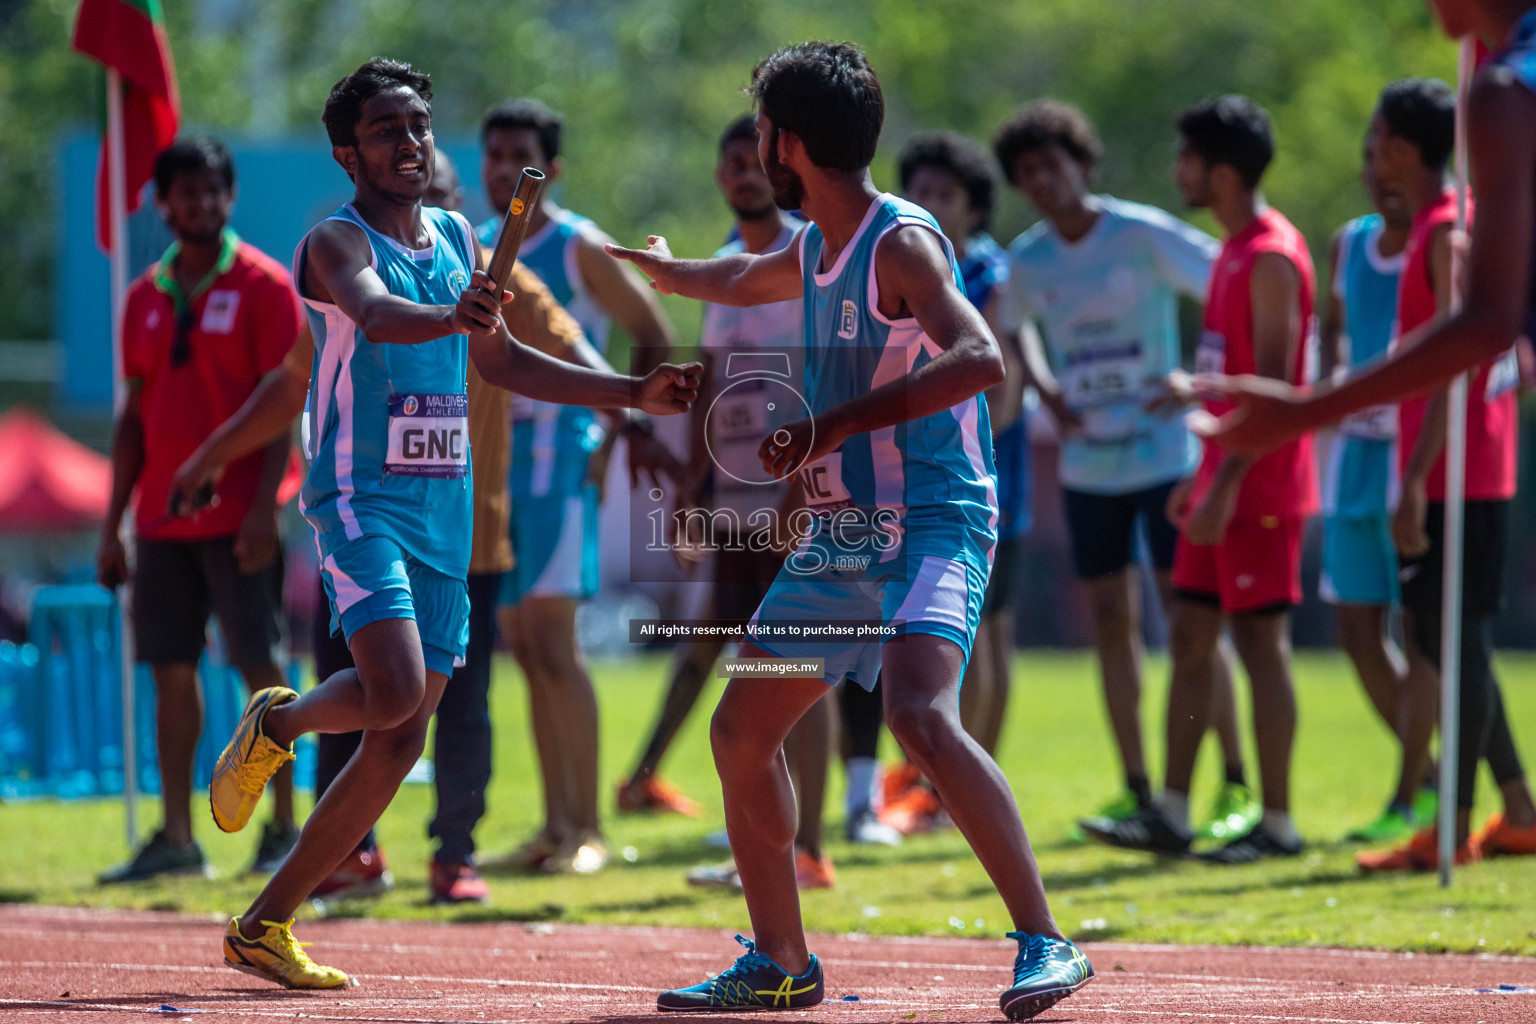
199,330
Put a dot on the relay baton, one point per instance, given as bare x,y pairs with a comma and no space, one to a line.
515,227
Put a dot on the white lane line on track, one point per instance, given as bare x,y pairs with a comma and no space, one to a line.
245,1012
1074,1008
571,986
25,1005
666,934
1251,983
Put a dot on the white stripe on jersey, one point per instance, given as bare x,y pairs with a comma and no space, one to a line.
347,338
940,593
348,593
335,372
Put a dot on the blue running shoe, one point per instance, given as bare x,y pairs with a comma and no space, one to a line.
1045,972
753,982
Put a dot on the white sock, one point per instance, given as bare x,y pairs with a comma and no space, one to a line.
863,774
1278,824
1176,806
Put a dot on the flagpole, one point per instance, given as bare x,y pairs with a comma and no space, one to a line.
1455,504
117,194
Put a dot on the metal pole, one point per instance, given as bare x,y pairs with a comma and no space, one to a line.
1455,499
117,194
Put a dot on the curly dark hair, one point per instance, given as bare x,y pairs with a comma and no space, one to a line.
1423,111
530,115
344,107
1044,123
194,153
956,155
743,129
1231,130
828,95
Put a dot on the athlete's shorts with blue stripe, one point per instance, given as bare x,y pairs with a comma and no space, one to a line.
556,541
1359,561
373,578
939,593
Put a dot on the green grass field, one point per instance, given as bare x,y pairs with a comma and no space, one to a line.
1057,753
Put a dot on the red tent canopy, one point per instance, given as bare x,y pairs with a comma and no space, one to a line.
48,483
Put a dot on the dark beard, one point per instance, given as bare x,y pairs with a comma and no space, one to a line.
788,188
755,213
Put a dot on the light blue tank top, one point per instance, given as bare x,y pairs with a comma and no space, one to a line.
932,478
387,430
1360,475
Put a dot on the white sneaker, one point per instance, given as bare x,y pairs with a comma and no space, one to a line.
867,829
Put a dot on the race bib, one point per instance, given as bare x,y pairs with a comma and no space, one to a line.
822,482
740,412
1211,355
1503,375
1378,423
428,436
1102,375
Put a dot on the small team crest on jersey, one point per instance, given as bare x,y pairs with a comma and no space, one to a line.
458,279
219,311
848,322
411,405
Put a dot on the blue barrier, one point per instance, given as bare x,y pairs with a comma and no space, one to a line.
61,705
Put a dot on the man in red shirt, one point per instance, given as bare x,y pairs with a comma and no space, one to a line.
1241,520
200,328
1410,142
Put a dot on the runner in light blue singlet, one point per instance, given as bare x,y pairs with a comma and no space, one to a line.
387,440
1359,475
908,513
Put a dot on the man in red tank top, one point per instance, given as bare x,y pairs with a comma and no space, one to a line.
1500,304
1410,143
1241,520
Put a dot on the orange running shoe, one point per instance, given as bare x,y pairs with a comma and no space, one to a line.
1498,838
897,782
916,812
655,795
813,873
1420,853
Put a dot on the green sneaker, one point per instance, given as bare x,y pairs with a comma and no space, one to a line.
1426,807
1234,813
1123,806
1392,826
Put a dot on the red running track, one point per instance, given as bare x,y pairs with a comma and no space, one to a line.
84,966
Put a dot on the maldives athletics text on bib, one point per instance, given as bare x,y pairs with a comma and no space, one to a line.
428,436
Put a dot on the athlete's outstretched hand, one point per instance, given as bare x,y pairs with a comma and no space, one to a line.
1269,413
668,389
653,260
477,311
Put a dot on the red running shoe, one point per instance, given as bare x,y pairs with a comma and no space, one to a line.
363,875
457,883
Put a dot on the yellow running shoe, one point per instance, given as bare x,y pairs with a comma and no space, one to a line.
242,771
278,956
